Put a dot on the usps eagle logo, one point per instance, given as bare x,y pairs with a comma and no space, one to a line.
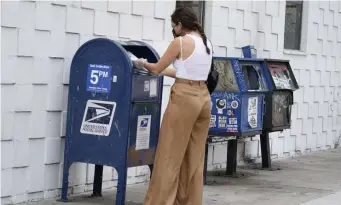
144,122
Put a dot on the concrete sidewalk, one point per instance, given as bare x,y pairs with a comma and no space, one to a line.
313,179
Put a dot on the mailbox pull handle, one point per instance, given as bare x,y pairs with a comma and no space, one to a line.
140,71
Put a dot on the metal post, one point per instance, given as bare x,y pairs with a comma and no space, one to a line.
98,178
231,165
265,149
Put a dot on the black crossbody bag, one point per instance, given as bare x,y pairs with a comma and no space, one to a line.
213,77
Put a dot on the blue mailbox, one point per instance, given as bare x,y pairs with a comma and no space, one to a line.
114,110
238,100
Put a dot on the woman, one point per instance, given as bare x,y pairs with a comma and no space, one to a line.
177,177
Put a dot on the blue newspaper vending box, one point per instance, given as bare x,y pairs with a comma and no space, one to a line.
238,101
237,105
113,110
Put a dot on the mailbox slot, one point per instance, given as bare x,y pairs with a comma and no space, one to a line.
145,85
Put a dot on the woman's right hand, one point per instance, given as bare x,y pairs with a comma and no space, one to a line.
139,63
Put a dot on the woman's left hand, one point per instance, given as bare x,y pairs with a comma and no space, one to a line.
139,63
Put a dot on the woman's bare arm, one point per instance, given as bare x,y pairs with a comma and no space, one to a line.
170,55
169,72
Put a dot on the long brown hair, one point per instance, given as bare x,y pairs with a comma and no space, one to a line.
189,20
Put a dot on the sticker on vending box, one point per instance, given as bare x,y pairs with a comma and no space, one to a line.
252,111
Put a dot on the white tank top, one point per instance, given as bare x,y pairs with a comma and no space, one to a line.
198,64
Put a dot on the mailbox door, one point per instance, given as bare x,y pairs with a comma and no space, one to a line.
99,105
144,133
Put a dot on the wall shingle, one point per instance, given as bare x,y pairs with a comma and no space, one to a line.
128,31
6,182
163,9
143,8
9,8
9,41
120,6
43,15
9,65
153,29
59,18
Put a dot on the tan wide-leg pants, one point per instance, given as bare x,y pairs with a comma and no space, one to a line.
177,177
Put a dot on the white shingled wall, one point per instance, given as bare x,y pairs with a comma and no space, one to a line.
316,114
39,39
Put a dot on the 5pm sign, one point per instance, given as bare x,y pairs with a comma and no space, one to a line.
98,78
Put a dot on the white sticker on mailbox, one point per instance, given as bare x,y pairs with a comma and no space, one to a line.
143,132
98,117
153,88
146,86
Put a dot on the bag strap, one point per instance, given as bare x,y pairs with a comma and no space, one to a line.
212,56
212,46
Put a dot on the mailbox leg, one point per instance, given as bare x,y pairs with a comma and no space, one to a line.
65,183
121,187
98,178
205,163
231,165
265,149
